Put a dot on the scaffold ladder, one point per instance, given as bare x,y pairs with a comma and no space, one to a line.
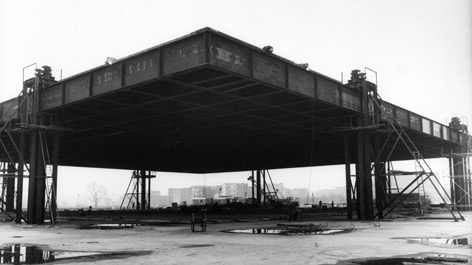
467,178
3,191
139,199
51,203
422,199
23,98
131,195
426,173
2,200
271,195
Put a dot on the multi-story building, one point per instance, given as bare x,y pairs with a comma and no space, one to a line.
205,194
205,191
300,195
157,200
187,196
235,190
198,191
282,191
336,195
180,196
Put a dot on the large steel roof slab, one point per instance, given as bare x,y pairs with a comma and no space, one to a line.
208,102
206,47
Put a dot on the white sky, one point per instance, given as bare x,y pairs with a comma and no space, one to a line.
421,50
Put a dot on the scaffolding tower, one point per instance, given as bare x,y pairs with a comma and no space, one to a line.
460,167
373,159
138,193
34,139
264,192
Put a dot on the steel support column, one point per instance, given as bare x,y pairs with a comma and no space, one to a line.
19,184
468,179
149,192
37,185
252,185
364,180
139,180
258,188
10,184
264,188
458,181
34,153
55,161
380,188
389,182
364,160
37,176
22,150
138,204
380,173
41,186
451,180
143,189
33,181
347,161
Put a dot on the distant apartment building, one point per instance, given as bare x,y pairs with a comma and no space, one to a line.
198,191
300,195
282,191
286,193
157,200
187,196
234,190
336,195
180,196
197,195
205,191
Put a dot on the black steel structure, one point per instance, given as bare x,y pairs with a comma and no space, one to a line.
208,102
138,193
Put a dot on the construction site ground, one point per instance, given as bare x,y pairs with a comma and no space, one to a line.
166,238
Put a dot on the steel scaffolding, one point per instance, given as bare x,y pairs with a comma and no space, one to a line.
373,159
29,134
138,193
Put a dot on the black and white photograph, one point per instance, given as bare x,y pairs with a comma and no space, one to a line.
329,132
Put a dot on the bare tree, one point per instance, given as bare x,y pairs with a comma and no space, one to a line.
96,192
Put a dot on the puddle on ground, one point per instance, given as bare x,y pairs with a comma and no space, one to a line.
439,259
441,241
27,254
197,246
289,231
106,226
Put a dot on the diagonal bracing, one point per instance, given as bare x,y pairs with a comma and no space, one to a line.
425,171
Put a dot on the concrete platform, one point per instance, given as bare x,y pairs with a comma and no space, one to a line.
176,244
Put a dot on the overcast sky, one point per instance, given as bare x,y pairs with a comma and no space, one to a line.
421,50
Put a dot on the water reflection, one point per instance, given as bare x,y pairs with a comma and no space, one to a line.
107,226
442,241
295,231
28,254
17,254
447,241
